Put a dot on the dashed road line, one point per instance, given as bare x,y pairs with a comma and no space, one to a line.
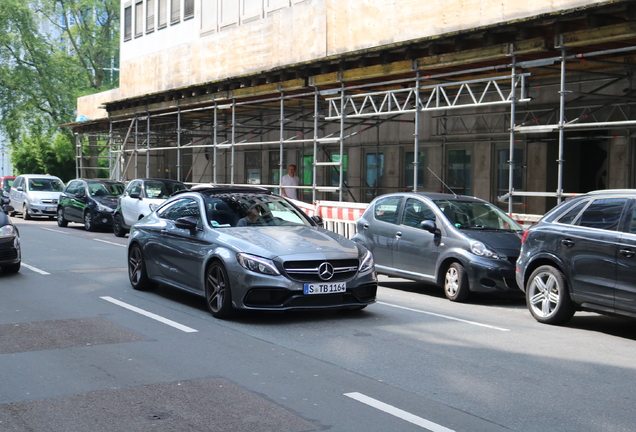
156,317
396,412
35,269
109,242
447,317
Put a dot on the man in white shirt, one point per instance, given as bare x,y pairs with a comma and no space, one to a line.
290,179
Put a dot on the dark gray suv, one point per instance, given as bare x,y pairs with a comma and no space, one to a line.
581,256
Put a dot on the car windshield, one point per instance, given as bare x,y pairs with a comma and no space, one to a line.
45,185
477,215
230,210
161,189
6,183
106,189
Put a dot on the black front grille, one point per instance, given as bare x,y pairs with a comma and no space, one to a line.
272,298
307,271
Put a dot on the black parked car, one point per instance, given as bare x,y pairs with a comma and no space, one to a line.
462,243
582,256
91,202
10,255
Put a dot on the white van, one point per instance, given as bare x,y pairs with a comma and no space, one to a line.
35,195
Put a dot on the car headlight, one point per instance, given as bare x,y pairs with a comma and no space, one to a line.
7,231
366,263
480,249
36,201
104,209
257,264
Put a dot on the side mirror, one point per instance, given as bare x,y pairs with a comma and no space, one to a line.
21,189
428,225
153,207
318,220
188,222
134,195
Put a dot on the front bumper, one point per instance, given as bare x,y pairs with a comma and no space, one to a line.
47,209
9,251
263,292
103,218
491,275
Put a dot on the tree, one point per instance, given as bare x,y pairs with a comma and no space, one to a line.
43,72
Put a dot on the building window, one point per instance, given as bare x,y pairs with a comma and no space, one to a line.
163,14
374,172
188,9
127,23
503,170
175,11
209,15
150,16
409,172
139,19
459,172
253,167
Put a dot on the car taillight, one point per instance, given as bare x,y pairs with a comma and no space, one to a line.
525,235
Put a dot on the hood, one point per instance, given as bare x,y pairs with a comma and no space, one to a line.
107,201
300,242
504,242
44,195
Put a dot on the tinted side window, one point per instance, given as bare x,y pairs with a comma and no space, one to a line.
386,209
415,211
180,208
603,214
571,214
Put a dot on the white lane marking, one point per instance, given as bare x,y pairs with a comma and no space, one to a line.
57,231
151,315
396,412
446,317
110,243
35,269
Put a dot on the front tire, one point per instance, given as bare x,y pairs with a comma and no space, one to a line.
456,286
118,226
218,294
61,221
547,296
89,223
25,213
137,269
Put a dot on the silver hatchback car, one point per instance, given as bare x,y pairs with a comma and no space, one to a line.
247,248
35,195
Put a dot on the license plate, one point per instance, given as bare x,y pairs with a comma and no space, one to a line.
326,288
51,209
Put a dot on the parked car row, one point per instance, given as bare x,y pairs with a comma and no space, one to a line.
579,256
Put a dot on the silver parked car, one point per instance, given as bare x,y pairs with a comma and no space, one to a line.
246,248
461,243
35,195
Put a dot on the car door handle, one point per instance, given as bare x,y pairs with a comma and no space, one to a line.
164,231
398,234
568,242
365,225
627,252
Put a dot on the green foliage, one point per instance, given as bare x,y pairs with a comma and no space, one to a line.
43,73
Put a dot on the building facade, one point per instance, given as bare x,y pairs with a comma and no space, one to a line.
520,104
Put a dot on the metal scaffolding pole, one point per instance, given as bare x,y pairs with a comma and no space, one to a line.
215,142
342,126
78,156
562,93
513,107
136,147
281,162
233,141
416,135
147,143
315,167
178,142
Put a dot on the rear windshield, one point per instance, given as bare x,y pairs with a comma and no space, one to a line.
477,215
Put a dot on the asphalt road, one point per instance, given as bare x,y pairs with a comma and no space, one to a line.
80,350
